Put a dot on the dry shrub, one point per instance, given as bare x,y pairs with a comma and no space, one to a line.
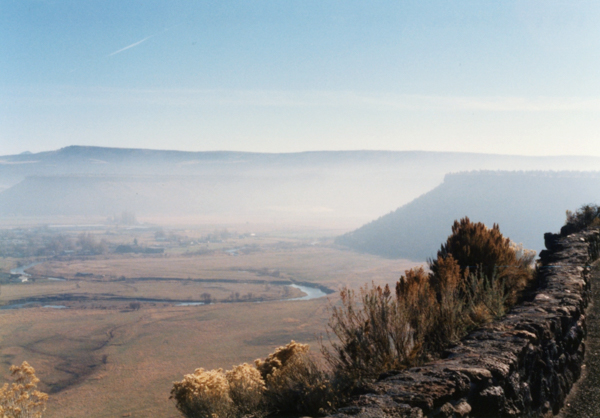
288,380
246,388
487,298
586,215
377,331
450,321
279,358
203,394
481,273
414,305
481,250
477,275
21,399
475,247
366,339
295,383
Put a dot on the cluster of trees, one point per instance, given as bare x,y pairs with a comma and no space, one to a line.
44,242
88,244
126,218
236,296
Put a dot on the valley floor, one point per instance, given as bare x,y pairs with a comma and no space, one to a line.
101,356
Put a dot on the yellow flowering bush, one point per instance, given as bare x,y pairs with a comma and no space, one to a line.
21,399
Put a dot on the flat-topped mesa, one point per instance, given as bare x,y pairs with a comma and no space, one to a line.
522,365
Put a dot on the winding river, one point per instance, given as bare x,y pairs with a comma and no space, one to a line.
312,292
21,270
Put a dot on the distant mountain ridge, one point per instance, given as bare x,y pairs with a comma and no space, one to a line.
101,160
330,185
524,204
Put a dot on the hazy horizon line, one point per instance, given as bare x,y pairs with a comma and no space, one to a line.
357,150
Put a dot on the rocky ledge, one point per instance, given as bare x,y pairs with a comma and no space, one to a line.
522,365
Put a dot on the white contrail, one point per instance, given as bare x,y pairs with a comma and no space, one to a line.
124,49
130,46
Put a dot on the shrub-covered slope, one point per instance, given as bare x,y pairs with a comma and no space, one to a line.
524,204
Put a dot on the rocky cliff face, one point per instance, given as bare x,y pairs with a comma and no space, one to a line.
523,365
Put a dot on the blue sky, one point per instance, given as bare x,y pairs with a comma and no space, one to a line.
513,77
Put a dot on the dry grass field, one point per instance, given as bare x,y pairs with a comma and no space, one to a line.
107,363
317,264
99,358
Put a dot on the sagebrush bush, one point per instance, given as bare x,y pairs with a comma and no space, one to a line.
475,247
376,330
297,383
246,389
449,308
287,380
372,333
586,215
481,250
477,275
21,399
203,394
279,358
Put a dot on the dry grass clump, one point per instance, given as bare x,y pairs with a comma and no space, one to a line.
477,275
288,380
20,399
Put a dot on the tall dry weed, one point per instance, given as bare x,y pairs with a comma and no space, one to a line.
21,399
449,311
376,330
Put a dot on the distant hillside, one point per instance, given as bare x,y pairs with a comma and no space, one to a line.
347,186
524,204
121,161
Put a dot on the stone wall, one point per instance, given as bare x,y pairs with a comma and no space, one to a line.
523,365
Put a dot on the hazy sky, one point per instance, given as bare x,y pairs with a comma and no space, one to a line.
515,77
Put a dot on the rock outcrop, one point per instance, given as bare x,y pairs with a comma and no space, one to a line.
522,365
